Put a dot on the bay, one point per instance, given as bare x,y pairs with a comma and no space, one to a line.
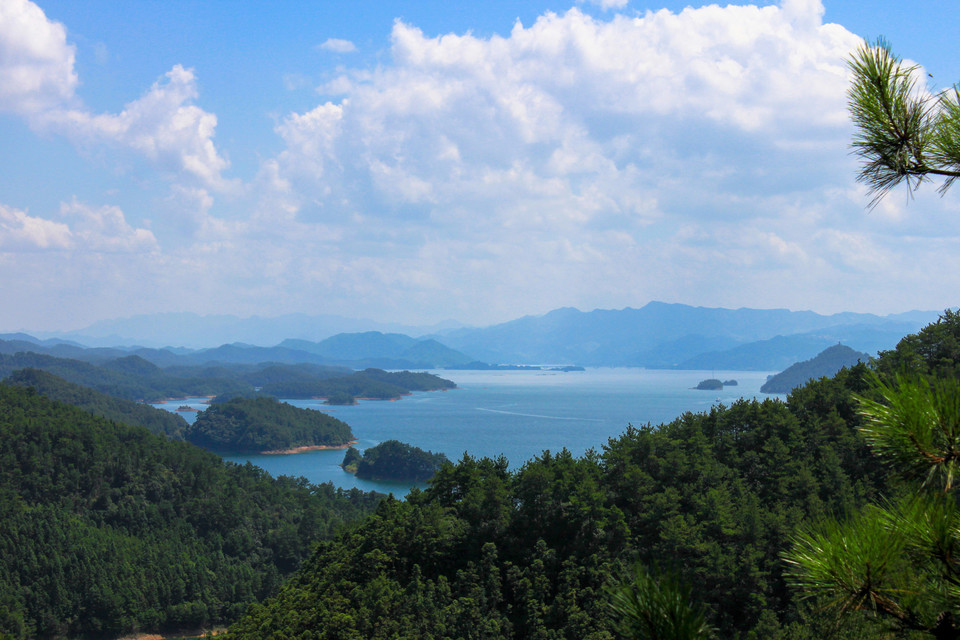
517,414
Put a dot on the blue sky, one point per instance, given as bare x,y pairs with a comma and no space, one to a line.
418,162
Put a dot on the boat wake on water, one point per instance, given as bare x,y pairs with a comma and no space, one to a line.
537,415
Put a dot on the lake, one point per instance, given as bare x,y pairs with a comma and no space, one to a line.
515,413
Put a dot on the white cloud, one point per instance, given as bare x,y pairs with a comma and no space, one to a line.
38,81
81,230
606,5
162,125
22,232
104,230
574,151
36,63
338,46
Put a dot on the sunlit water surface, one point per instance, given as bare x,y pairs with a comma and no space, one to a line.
518,414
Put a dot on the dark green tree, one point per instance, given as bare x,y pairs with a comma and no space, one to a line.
647,608
904,134
899,560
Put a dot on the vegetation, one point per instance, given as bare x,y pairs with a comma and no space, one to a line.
650,609
395,460
897,559
251,425
369,383
100,404
903,134
350,460
486,552
107,529
341,398
826,363
710,384
130,378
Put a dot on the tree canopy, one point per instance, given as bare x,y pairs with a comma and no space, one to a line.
904,134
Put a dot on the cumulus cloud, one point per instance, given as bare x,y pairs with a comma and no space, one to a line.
38,81
586,146
338,45
163,125
36,63
80,228
21,232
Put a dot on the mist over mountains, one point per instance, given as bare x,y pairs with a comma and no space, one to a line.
658,335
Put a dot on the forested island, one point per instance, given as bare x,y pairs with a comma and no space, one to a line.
265,425
826,363
395,461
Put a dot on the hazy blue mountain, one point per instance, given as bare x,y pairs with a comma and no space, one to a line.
385,351
781,351
826,363
159,330
642,337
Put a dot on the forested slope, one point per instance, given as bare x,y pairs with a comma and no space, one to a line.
100,404
490,553
107,528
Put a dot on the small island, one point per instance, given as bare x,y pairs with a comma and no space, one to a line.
393,461
340,398
185,407
266,425
710,384
730,383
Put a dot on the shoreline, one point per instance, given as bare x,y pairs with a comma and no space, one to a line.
181,399
305,448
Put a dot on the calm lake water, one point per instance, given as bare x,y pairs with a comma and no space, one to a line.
515,413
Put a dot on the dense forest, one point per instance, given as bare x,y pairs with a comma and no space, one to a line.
717,497
396,461
375,384
133,378
251,425
107,529
100,404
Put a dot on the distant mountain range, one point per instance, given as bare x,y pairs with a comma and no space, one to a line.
658,335
667,336
196,332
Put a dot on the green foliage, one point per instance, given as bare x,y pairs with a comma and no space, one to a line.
934,351
265,424
903,135
107,529
648,608
100,404
710,384
899,560
395,460
350,460
341,398
369,383
130,378
486,552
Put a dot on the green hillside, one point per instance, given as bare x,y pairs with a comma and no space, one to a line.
106,529
486,552
100,404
